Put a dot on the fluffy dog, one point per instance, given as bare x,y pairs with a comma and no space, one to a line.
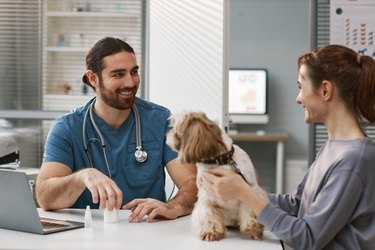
200,141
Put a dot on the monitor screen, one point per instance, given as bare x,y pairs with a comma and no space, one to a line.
247,96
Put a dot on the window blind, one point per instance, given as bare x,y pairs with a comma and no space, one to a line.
20,54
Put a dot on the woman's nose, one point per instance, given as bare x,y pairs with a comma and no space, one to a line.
298,99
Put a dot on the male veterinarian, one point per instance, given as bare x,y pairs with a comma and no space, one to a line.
113,148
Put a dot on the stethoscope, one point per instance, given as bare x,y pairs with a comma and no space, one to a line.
140,154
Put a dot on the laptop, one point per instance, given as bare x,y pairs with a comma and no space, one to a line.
18,210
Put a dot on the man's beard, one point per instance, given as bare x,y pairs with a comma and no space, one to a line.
111,98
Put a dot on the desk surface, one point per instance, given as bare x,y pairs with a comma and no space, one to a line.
174,234
255,137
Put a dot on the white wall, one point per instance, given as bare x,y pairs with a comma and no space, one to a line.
187,49
272,34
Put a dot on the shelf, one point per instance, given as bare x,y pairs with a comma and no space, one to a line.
64,102
66,49
30,114
68,35
87,14
62,97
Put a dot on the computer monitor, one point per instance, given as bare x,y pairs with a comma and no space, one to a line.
247,96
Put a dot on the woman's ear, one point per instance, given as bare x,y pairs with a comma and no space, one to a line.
93,78
327,90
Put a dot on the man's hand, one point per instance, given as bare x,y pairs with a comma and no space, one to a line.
102,188
152,208
58,187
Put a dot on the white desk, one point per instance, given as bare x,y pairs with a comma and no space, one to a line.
174,234
279,139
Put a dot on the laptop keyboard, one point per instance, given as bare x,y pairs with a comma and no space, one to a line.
52,225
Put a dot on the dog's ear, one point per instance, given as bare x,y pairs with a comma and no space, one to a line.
201,139
172,137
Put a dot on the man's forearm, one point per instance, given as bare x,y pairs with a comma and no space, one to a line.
59,192
186,197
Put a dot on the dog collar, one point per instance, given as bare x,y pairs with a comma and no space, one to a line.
223,159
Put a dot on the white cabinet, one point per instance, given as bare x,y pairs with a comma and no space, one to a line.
70,27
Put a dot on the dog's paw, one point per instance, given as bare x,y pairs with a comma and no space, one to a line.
256,234
255,231
211,236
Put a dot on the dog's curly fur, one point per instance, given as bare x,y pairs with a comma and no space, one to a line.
196,138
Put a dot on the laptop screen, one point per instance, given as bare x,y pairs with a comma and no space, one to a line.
19,211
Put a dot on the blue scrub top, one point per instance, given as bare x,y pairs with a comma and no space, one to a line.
64,144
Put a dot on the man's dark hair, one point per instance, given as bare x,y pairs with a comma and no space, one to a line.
102,48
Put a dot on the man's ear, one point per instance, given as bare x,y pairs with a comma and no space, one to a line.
93,78
327,90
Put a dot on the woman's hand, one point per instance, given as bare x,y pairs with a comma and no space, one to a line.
227,185
223,184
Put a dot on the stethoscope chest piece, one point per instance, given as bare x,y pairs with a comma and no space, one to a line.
140,155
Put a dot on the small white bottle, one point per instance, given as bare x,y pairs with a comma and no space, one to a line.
110,216
88,217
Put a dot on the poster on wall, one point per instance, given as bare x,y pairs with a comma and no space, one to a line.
352,23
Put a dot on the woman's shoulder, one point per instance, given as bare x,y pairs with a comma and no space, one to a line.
360,148
368,152
359,156
349,155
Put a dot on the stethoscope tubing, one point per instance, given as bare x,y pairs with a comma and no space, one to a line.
140,153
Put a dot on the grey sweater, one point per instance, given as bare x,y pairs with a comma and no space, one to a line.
334,205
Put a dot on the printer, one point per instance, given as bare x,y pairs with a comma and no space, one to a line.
9,151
